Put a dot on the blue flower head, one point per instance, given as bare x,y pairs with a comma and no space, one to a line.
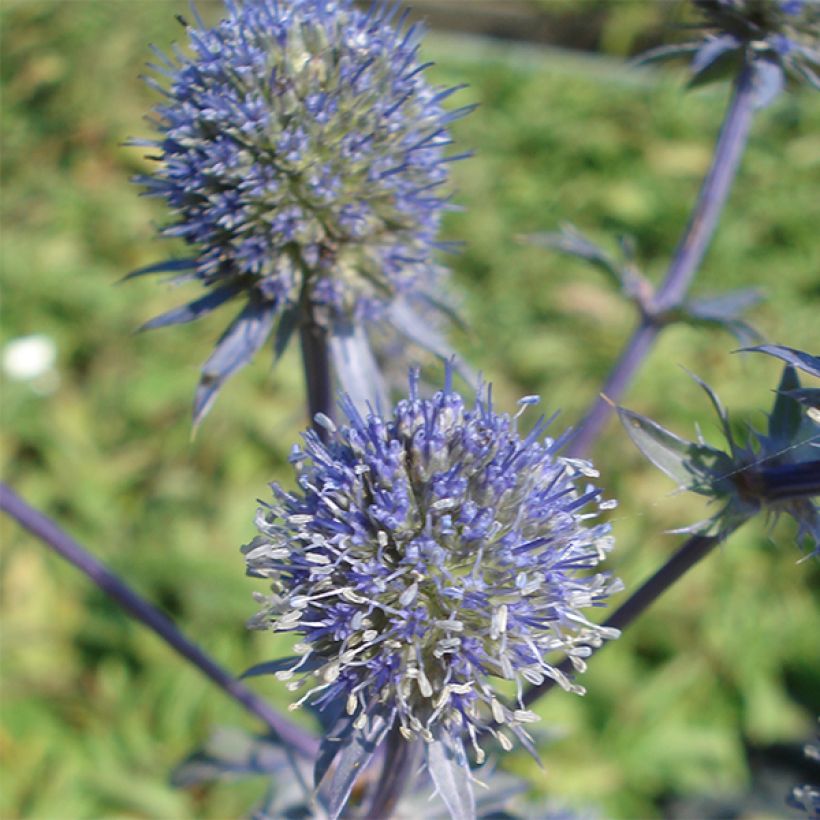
428,555
776,37
302,154
779,25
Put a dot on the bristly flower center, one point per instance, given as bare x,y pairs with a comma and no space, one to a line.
427,554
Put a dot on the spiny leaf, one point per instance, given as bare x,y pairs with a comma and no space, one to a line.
288,323
797,358
711,51
769,81
571,241
168,266
356,368
351,760
281,664
193,310
450,772
786,415
691,465
413,326
230,753
234,350
808,396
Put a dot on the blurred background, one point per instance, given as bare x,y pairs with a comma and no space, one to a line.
700,710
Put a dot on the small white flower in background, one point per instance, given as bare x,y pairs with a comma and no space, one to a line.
31,359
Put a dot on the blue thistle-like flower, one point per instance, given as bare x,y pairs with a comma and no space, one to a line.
304,157
426,555
776,37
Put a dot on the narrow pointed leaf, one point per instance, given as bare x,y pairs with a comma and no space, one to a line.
450,772
725,306
281,664
723,63
712,50
328,714
230,753
769,81
234,350
725,310
442,306
336,739
193,310
786,416
415,329
808,396
663,53
288,324
719,409
797,358
742,331
168,266
571,241
350,761
356,368
411,325
689,464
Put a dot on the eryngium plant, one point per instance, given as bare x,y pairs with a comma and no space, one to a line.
302,153
425,555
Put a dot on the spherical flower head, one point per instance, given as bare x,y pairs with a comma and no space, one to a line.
785,33
771,39
303,155
302,152
428,555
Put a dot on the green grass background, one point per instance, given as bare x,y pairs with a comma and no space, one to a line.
96,711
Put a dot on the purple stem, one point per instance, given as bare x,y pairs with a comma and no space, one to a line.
42,527
685,263
318,379
692,551
398,767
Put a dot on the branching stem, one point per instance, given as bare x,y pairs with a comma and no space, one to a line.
685,262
